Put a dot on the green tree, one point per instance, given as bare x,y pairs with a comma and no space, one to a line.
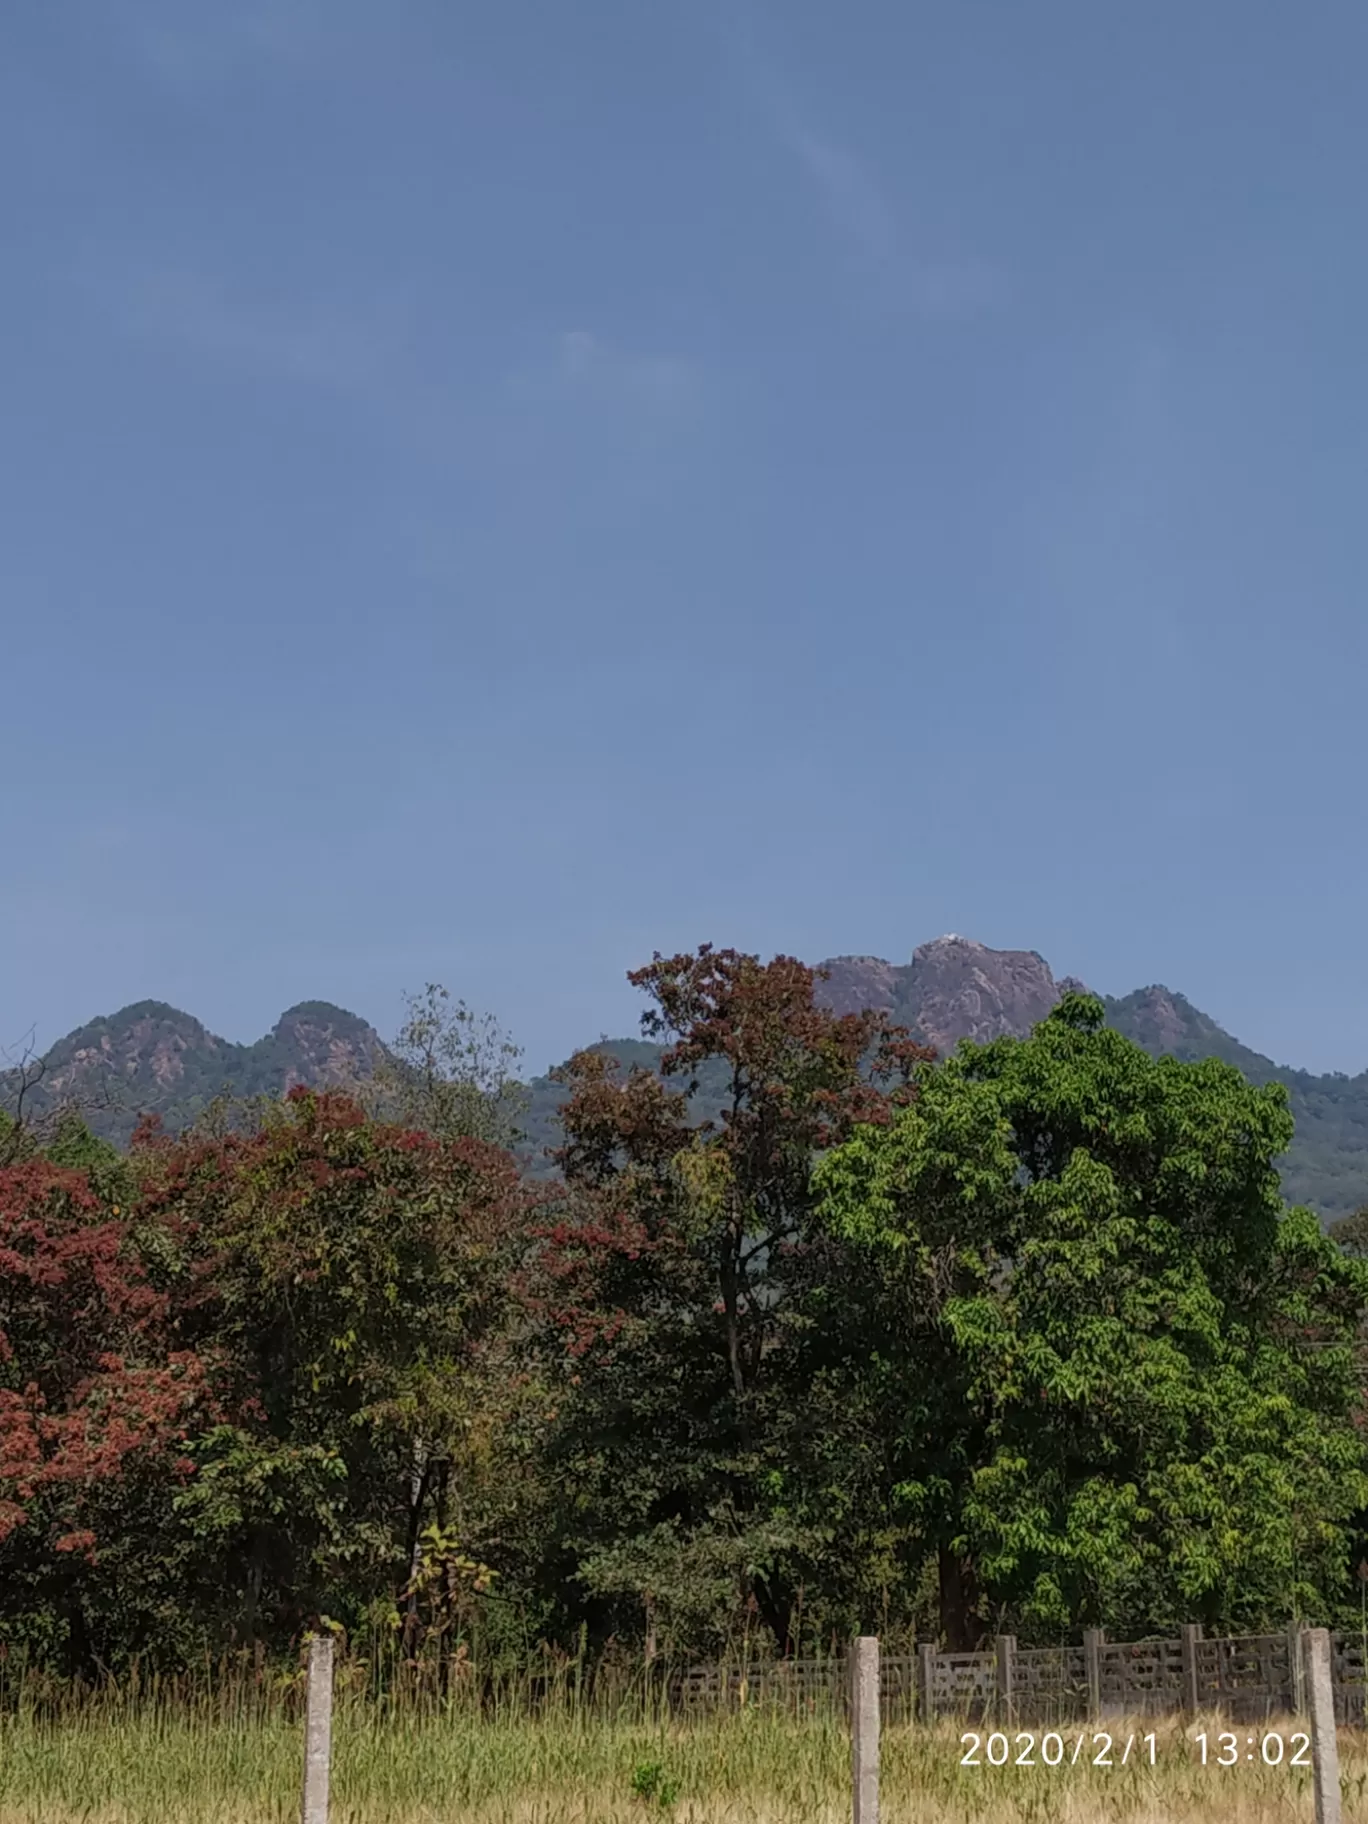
1351,1233
106,1170
1117,1374
350,1279
672,1290
449,1071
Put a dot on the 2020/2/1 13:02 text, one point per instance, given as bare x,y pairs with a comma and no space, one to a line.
1098,1749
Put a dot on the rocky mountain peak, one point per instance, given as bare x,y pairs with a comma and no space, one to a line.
146,1044
152,1058
319,1044
1158,1012
954,988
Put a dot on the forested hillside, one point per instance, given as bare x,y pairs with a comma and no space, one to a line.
1326,1167
152,1058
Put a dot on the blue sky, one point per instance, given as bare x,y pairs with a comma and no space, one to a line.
490,490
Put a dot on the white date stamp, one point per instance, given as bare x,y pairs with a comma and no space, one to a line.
1096,1748
1027,1749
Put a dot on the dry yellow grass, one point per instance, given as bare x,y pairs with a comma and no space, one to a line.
156,1768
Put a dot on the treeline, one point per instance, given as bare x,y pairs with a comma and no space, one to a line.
1020,1340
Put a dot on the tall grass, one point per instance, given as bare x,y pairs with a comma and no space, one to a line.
230,1753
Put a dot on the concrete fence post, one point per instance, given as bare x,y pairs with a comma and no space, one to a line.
1092,1659
318,1731
926,1680
1297,1663
864,1729
1320,1692
1191,1634
1006,1677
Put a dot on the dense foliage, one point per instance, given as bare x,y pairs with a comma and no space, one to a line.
1143,1365
806,1332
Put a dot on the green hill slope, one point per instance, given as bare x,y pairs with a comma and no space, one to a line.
1327,1166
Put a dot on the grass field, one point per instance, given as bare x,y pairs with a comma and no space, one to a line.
151,1765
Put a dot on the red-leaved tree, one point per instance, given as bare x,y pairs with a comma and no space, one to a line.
97,1403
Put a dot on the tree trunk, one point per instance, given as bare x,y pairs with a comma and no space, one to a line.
81,1660
776,1611
960,1624
256,1572
420,1470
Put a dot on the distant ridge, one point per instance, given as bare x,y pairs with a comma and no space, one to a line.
153,1058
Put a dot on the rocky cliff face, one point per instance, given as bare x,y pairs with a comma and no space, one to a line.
859,984
952,989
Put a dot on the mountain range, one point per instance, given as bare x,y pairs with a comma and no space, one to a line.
152,1058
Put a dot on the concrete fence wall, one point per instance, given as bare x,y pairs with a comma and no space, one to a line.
1267,1671
1249,1677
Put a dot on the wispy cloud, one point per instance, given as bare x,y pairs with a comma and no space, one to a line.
954,288
856,201
586,374
583,425
590,367
191,310
184,43
377,354
851,195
